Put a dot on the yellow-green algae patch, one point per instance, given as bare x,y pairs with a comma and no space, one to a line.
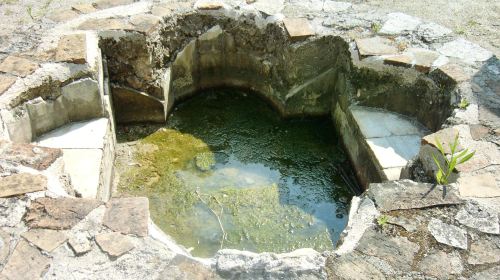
227,172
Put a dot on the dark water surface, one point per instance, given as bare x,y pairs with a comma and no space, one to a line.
228,172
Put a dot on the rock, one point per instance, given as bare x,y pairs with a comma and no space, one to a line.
114,244
85,8
298,28
80,243
431,32
182,267
62,15
408,224
441,265
82,101
397,251
476,217
128,215
399,60
353,266
26,262
39,158
58,213
145,23
12,211
105,4
399,23
448,234
451,72
445,136
18,66
4,246
478,131
105,24
336,6
208,5
45,239
465,50
234,264
5,82
482,185
406,194
269,7
375,46
22,183
484,251
72,48
423,59
488,274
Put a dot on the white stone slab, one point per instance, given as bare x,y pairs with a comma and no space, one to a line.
376,123
398,23
77,135
83,167
394,151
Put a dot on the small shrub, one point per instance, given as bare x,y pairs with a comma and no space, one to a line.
445,171
463,103
382,220
376,27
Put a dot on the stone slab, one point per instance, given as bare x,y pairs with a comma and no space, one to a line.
18,66
85,8
72,48
448,234
487,274
406,194
394,151
183,267
477,217
478,131
269,7
483,185
399,60
423,59
45,239
465,50
375,46
39,158
445,136
431,32
78,135
208,5
84,169
58,213
80,243
22,183
4,246
441,265
114,244
5,82
484,251
399,23
298,28
452,72
105,24
82,101
145,23
128,215
26,263
354,266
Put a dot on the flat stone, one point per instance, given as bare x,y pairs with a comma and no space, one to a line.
83,102
399,60
465,50
144,23
487,274
394,151
484,251
445,136
80,243
105,24
22,183
477,217
397,251
483,185
26,262
298,28
63,15
166,9
448,234
84,169
423,59
441,265
114,244
18,66
105,4
5,82
72,48
45,239
128,215
39,158
478,131
452,72
58,213
406,194
408,224
78,135
269,7
4,246
85,8
208,5
335,6
399,23
353,266
375,46
183,267
431,32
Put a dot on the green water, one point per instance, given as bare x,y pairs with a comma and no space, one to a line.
226,156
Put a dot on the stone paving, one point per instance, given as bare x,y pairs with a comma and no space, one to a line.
397,230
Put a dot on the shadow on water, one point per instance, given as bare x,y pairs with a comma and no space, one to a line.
256,165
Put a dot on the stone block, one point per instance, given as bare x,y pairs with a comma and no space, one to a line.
483,185
298,28
376,46
465,50
399,60
394,151
82,100
451,72
18,66
5,82
480,218
22,183
18,124
106,24
399,23
45,115
448,234
45,239
128,215
72,48
114,244
26,263
145,23
39,158
208,5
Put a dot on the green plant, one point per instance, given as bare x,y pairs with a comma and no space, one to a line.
29,10
445,171
382,220
376,27
463,103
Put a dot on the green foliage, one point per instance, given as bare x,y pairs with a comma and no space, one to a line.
382,220
376,27
463,103
453,161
